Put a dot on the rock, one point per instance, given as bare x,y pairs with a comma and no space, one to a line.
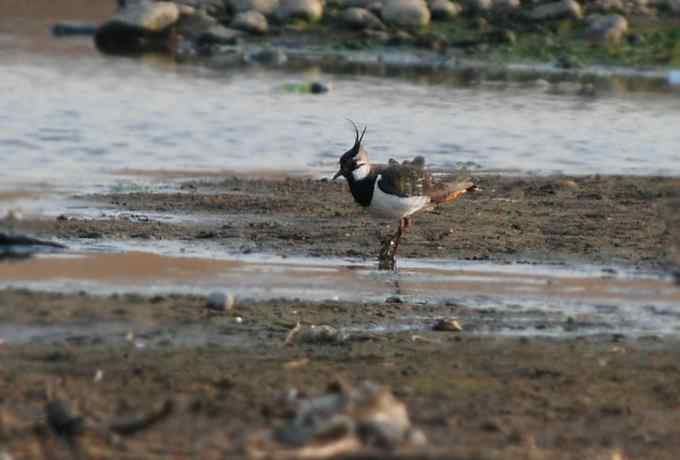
196,24
321,334
478,6
319,87
361,18
564,9
22,246
138,27
71,29
266,7
607,5
406,13
212,7
251,21
449,325
442,10
148,16
506,6
606,29
308,10
674,6
342,422
220,301
267,56
61,419
219,35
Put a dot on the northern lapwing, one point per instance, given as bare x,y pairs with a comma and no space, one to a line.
395,190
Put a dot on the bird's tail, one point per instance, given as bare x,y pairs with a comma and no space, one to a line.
453,192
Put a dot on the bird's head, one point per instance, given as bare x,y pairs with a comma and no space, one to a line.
355,158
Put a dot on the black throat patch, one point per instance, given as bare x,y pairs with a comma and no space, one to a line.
362,190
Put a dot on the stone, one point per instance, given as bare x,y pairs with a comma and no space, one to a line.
266,7
219,35
139,27
147,16
564,9
448,325
361,18
607,5
213,7
251,21
606,28
506,6
195,25
308,10
320,87
186,10
406,13
267,56
479,6
442,10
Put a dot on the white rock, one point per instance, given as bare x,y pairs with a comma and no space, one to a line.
266,7
444,9
251,21
361,18
309,10
152,17
406,13
606,29
557,10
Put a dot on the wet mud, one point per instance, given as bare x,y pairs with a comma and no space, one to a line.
485,397
598,219
196,382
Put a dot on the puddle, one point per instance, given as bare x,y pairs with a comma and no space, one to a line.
495,298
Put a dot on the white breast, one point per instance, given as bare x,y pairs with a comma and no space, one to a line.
386,205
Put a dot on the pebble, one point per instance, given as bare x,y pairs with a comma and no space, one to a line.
449,325
319,87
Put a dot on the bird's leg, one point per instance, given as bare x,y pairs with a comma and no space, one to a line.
387,260
388,249
403,225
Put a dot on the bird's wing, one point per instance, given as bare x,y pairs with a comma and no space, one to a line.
409,178
447,191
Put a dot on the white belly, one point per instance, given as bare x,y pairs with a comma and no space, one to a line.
392,206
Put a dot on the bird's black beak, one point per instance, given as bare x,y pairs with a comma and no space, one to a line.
337,174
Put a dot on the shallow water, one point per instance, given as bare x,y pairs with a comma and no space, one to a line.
72,117
70,122
74,121
524,297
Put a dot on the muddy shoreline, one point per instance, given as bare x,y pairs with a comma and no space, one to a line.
597,219
473,396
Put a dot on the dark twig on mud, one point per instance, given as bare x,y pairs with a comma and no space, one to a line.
131,425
